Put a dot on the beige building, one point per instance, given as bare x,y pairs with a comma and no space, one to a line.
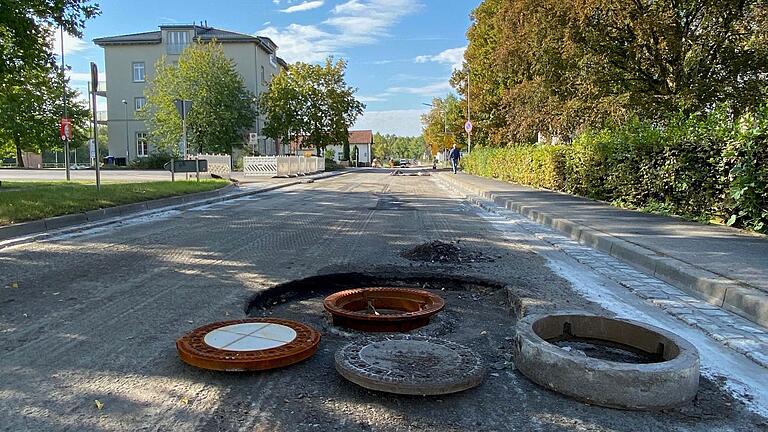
130,63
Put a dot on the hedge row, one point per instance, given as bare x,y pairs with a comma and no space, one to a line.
705,168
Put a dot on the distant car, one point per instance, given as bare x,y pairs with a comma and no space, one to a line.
405,163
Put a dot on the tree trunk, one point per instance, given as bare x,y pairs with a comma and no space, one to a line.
318,151
19,159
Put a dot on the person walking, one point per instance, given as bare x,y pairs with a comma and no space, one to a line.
455,155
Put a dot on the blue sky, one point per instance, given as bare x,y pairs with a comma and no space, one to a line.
400,52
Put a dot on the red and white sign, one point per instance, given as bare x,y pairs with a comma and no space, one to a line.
468,126
65,129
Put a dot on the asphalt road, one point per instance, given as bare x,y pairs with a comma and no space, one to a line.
94,316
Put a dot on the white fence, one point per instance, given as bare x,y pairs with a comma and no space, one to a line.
219,164
282,166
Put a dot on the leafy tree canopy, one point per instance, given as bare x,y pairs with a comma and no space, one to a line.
31,110
311,103
389,146
558,66
222,107
26,28
444,123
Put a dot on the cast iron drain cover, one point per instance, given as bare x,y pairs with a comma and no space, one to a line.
248,344
410,364
383,309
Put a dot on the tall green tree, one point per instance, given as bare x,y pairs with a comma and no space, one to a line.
31,110
558,66
26,30
312,104
222,107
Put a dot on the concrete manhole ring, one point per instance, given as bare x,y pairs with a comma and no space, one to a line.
410,364
672,380
248,344
383,309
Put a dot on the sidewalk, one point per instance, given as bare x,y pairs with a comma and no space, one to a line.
723,266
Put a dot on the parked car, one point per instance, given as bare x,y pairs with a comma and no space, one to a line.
405,163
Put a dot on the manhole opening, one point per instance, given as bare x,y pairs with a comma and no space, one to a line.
606,339
324,285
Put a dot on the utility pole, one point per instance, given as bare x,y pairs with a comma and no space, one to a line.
64,102
469,119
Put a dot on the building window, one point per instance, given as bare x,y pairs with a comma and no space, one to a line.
176,41
139,103
142,147
263,76
273,59
138,71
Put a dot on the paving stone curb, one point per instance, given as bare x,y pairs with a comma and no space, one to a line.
110,215
734,296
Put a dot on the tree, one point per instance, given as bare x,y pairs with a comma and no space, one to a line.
395,147
30,82
312,104
222,107
558,66
31,110
26,28
444,124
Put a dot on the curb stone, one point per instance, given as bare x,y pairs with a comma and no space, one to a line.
110,215
734,296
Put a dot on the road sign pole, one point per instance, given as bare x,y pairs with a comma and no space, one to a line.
173,172
94,88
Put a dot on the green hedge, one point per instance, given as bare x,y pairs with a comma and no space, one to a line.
705,168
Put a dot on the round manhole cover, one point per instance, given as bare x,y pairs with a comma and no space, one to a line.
249,344
410,364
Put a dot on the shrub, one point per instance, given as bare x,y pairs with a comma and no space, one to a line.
155,160
706,167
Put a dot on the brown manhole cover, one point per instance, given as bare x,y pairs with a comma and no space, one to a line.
410,364
248,344
383,309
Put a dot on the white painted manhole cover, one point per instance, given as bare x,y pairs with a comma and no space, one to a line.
248,344
410,364
250,336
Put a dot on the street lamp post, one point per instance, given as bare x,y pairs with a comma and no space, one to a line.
127,144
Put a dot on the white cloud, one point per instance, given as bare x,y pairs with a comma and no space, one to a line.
353,23
306,43
436,89
397,122
71,44
373,98
305,6
452,56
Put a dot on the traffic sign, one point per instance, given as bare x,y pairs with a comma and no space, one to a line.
183,107
468,126
94,77
65,129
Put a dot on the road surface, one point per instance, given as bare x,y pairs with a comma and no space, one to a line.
93,316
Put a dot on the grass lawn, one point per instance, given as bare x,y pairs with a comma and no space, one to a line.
25,201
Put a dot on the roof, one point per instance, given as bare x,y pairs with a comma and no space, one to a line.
360,137
355,137
203,33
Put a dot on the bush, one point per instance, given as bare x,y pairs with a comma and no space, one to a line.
700,167
155,160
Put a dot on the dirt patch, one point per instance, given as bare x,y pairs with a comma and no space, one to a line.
441,252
